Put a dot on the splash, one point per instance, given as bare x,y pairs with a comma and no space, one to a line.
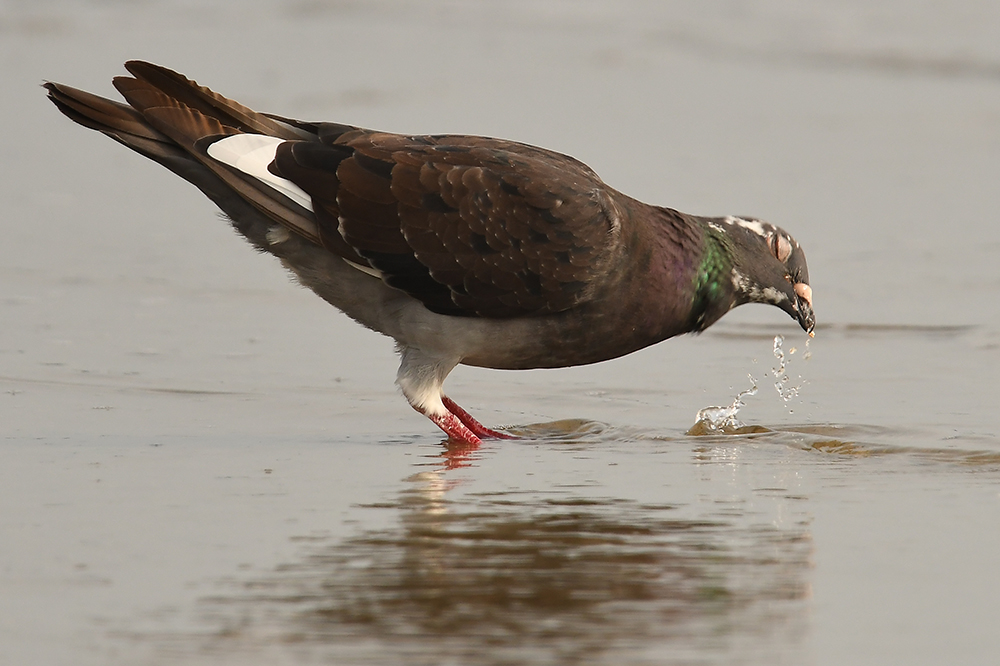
723,419
717,419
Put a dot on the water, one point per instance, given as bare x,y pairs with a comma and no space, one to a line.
786,390
202,463
714,419
723,419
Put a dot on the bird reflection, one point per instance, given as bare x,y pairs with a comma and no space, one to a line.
457,454
517,577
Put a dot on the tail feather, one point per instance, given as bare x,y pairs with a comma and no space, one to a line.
103,115
142,96
172,120
182,124
209,102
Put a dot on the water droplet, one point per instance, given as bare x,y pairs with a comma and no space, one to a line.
780,374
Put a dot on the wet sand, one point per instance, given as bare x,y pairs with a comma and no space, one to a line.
200,462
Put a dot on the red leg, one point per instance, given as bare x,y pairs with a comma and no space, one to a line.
455,429
477,428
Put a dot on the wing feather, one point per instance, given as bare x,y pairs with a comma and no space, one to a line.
488,227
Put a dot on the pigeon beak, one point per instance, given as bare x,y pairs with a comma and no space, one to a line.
803,308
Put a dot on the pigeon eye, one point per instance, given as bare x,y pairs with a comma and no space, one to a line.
780,247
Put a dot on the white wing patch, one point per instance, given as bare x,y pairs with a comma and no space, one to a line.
251,153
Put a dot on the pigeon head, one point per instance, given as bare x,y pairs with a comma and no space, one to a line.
769,266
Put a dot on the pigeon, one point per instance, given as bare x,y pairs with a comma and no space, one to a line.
463,249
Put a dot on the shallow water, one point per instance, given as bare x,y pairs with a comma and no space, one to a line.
202,463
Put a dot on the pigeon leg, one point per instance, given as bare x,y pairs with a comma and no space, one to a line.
454,428
471,423
420,377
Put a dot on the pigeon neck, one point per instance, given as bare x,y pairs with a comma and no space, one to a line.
714,293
